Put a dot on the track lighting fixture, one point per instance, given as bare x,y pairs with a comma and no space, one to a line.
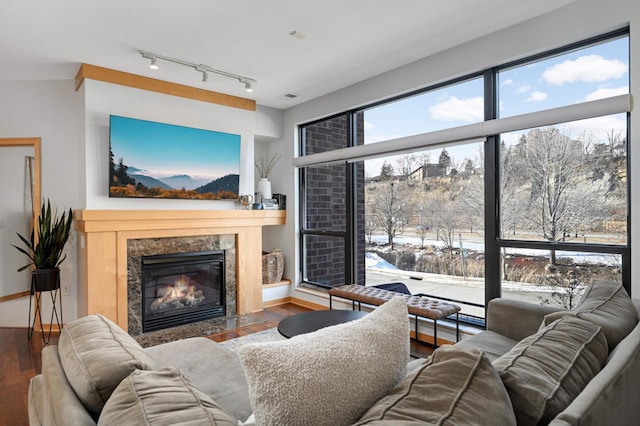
204,69
153,65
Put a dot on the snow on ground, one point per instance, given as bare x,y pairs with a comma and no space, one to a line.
372,260
580,257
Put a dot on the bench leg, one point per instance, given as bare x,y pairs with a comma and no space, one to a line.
457,326
435,334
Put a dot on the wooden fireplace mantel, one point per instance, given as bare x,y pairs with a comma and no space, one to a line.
102,251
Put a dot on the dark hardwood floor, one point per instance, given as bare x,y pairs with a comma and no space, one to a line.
21,359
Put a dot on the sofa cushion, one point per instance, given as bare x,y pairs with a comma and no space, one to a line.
161,397
331,376
544,372
607,304
454,386
206,364
493,344
96,355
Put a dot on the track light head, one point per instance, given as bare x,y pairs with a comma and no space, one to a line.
247,86
152,57
205,76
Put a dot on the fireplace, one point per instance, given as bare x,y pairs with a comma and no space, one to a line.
182,288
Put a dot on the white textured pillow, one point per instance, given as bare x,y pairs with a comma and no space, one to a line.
331,376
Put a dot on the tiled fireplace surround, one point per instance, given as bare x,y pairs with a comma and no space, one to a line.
136,249
110,243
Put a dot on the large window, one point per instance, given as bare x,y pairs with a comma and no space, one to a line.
563,190
536,214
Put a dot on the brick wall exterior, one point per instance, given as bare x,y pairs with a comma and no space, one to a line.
326,204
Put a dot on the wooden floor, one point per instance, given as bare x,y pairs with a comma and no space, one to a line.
21,359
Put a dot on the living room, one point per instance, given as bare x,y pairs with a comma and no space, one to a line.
73,125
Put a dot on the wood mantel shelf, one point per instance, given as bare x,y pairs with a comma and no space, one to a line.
102,247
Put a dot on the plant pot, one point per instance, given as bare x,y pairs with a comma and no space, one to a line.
46,279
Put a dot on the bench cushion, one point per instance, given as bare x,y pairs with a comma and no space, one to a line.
418,305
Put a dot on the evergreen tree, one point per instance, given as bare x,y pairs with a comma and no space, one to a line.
123,178
444,161
386,171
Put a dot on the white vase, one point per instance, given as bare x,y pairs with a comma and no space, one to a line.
264,188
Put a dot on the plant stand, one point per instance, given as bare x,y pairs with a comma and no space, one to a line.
56,301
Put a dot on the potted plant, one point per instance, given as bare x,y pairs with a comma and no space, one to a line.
45,247
264,167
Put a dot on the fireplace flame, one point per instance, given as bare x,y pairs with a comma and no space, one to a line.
180,294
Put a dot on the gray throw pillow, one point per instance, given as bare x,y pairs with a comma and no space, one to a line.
544,372
455,386
96,355
331,376
607,304
161,398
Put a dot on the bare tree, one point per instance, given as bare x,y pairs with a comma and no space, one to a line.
560,197
391,211
564,290
447,222
405,165
370,225
424,158
423,226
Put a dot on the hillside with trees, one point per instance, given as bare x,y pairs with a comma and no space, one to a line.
553,188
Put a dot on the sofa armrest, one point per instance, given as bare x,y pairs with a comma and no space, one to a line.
60,405
516,319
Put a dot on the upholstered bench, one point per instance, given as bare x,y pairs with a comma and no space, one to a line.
419,306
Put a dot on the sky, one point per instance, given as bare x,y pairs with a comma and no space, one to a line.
591,73
163,150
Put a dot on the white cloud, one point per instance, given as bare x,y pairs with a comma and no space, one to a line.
507,82
537,97
586,69
599,127
368,125
523,89
606,93
455,109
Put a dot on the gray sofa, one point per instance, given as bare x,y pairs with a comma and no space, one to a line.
98,374
610,398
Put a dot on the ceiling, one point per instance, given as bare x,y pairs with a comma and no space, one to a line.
336,43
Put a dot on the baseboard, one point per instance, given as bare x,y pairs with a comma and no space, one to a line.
295,301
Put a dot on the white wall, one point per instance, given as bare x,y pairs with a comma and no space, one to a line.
576,22
103,99
75,151
51,110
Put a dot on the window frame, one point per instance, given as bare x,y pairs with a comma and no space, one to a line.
493,242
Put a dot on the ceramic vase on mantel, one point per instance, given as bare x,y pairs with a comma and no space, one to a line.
264,188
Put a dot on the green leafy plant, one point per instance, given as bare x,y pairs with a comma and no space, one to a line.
52,234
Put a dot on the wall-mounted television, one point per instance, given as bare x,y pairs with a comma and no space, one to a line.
157,160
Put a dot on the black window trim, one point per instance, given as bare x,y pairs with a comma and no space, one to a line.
493,243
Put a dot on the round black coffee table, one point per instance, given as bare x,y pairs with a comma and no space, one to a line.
307,322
